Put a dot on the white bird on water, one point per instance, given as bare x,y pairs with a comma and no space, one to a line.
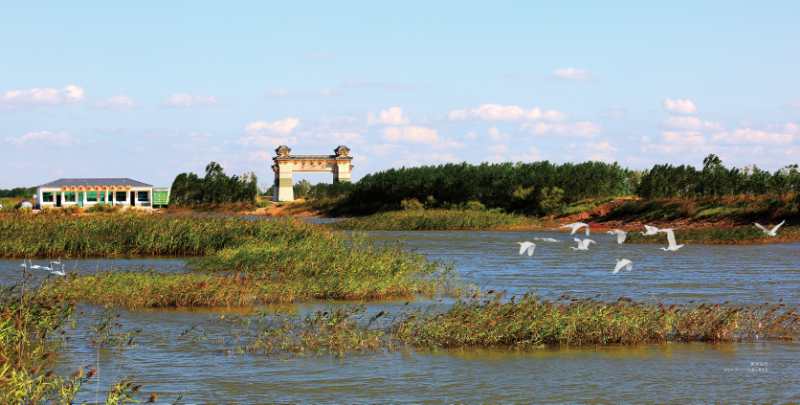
672,244
552,240
621,235
650,230
52,269
623,263
526,246
583,244
770,232
575,226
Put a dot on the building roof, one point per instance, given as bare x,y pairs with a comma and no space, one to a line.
95,183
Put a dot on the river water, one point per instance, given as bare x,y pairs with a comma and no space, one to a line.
167,362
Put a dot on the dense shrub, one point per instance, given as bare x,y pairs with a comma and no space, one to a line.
215,187
517,187
714,179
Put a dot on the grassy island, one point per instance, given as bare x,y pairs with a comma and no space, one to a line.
234,261
437,220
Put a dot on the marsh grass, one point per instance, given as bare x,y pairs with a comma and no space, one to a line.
525,324
530,323
30,337
737,208
437,219
128,234
237,261
336,331
745,234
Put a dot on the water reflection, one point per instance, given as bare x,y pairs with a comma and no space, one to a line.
168,361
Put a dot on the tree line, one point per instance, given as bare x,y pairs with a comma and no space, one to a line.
534,188
545,187
214,188
715,180
18,192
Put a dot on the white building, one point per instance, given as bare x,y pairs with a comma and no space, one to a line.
89,192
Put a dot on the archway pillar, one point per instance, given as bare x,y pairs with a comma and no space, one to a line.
284,185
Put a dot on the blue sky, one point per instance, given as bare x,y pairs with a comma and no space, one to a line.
151,90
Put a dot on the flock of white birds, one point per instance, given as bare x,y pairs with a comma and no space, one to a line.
528,247
56,268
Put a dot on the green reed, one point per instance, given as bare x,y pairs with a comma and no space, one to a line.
437,219
729,235
236,261
532,323
337,331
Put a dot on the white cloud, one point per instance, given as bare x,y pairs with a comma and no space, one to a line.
411,134
270,134
280,127
752,136
120,102
389,116
43,137
571,73
680,105
183,100
499,112
43,96
427,159
601,151
585,129
531,155
344,136
691,123
683,138
496,135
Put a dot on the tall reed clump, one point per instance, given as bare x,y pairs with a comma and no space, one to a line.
436,219
531,323
27,350
337,331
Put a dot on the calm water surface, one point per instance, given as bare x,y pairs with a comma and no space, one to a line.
201,370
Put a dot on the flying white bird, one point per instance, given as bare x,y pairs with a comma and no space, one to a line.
672,244
621,235
650,230
623,263
575,226
770,232
583,244
545,239
526,246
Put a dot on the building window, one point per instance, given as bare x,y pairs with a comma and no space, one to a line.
120,196
69,196
91,196
142,196
101,196
47,197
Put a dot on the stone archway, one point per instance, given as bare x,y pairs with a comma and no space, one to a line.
340,164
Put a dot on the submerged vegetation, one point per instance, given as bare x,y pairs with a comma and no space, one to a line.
525,324
531,323
436,219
